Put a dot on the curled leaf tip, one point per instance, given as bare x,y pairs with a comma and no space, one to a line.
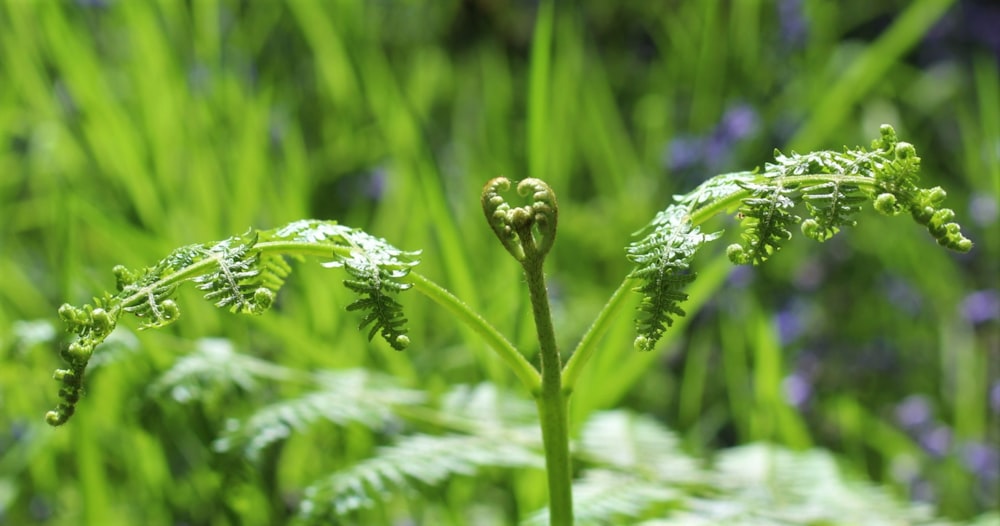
525,231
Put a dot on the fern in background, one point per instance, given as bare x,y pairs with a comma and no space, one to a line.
634,470
342,397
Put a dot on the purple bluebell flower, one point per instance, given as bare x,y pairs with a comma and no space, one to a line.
739,122
797,388
684,152
914,412
981,459
983,209
981,306
713,150
903,295
792,21
789,323
375,186
741,276
937,441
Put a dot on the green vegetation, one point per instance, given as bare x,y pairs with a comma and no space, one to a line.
132,129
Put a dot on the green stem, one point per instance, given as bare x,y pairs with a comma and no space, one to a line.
551,400
588,344
507,352
521,367
704,213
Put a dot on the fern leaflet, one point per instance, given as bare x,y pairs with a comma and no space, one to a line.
832,205
376,268
766,222
662,259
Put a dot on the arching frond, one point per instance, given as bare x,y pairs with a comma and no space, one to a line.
832,186
233,284
242,274
716,189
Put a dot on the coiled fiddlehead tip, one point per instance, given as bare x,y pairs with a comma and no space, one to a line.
737,254
52,418
813,230
263,298
887,204
887,139
525,231
643,343
924,208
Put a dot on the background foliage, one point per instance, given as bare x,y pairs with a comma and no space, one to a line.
130,128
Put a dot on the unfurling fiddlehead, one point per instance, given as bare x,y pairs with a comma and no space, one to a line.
525,231
242,274
832,186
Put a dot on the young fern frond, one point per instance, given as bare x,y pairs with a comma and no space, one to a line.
242,274
831,186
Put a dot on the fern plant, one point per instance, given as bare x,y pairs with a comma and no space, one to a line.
245,272
632,469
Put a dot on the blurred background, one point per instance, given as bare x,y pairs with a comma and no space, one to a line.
128,129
